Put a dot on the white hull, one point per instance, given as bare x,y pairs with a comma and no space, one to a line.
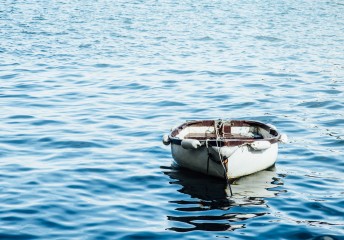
242,162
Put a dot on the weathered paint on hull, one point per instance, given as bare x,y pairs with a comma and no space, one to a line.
243,161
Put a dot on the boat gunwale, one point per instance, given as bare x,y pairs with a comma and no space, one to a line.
226,141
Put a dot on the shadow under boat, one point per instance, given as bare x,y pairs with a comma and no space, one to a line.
210,193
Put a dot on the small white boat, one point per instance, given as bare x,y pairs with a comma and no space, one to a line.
225,148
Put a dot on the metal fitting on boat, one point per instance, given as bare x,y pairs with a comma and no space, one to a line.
190,144
166,139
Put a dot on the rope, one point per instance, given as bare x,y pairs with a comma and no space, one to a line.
220,123
206,144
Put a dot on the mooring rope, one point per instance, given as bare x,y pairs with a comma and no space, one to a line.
220,123
206,144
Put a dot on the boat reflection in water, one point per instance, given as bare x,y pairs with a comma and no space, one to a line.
209,195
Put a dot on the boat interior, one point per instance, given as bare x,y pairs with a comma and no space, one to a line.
235,129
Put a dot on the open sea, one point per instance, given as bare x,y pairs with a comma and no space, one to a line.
88,88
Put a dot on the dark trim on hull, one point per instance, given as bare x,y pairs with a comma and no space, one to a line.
226,128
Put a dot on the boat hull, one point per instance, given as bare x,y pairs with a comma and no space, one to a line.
243,160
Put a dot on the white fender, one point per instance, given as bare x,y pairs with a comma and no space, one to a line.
260,145
283,138
225,151
166,139
190,144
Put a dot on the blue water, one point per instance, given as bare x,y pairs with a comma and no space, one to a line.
87,89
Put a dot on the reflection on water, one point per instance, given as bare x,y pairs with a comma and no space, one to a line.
211,196
261,184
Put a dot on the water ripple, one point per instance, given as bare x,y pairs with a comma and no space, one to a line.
88,89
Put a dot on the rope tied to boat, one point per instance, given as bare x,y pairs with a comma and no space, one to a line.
218,138
207,146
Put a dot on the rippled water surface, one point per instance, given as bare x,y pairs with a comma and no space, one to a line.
87,89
